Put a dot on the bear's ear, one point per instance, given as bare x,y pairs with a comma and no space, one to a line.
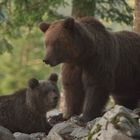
69,23
53,77
33,83
44,26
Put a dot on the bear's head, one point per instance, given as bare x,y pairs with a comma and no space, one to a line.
42,96
61,40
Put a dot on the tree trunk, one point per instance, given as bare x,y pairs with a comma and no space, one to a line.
136,15
81,8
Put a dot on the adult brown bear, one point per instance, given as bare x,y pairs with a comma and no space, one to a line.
96,63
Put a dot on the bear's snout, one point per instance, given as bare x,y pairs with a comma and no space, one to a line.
51,61
46,61
53,98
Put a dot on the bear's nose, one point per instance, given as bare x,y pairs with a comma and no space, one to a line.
46,61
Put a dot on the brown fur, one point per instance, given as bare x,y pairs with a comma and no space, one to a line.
97,63
25,110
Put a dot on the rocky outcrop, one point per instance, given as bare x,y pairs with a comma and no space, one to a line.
119,123
5,134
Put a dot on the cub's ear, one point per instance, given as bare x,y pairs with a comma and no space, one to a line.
33,83
53,77
44,26
69,23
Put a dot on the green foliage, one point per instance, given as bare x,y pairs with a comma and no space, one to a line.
5,46
19,21
18,16
23,63
109,10
114,10
83,8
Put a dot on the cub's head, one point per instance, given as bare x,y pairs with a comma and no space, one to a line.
60,41
43,96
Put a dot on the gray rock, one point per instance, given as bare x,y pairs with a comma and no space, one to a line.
22,136
38,135
92,123
80,132
137,111
110,135
44,138
69,127
119,110
6,134
64,127
56,136
61,128
53,112
118,120
119,123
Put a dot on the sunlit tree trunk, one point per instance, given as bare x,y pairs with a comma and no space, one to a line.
136,15
82,8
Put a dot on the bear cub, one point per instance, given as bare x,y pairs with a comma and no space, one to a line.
25,110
